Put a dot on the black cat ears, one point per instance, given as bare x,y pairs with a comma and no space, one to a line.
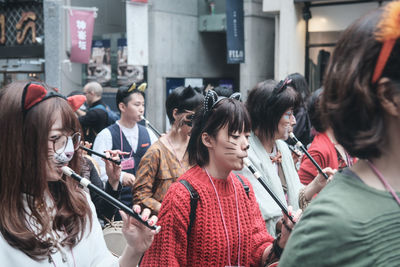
212,99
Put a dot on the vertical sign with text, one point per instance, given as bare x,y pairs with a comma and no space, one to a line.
234,31
81,25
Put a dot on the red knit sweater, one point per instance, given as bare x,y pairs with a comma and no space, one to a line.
323,152
207,245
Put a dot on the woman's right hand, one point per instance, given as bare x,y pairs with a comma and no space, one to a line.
113,170
287,226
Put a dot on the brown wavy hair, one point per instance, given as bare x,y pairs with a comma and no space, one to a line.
23,176
349,102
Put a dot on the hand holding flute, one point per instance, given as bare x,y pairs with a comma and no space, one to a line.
86,183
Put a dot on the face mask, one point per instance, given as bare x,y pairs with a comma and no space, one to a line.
62,155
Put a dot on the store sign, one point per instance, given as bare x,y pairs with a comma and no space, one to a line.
81,25
24,28
234,31
139,1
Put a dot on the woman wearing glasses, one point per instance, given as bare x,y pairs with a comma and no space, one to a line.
45,218
271,105
167,159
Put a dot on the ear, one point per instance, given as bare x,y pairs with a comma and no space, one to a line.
207,140
389,100
175,113
121,106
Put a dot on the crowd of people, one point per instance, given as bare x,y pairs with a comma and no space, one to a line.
196,201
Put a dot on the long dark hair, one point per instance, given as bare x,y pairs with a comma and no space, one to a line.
23,176
228,111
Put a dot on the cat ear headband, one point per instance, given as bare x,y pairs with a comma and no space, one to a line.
35,93
212,99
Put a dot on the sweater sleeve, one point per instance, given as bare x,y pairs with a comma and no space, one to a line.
169,247
145,180
261,239
308,171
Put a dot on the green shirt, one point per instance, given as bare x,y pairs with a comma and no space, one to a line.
348,224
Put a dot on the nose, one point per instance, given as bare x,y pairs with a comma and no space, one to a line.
245,144
292,120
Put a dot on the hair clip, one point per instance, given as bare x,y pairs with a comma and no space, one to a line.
142,87
388,31
281,86
133,87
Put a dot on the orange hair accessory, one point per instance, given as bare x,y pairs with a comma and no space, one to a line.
388,31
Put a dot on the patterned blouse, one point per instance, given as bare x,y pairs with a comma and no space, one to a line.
158,169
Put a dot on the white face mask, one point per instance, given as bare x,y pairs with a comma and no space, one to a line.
62,157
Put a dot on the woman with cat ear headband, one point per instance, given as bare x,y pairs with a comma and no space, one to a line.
270,105
356,218
167,159
45,218
210,216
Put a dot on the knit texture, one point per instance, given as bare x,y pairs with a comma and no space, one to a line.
207,244
323,152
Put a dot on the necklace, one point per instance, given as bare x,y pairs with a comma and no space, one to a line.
175,154
383,180
223,219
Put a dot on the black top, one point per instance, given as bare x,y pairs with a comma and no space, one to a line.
93,122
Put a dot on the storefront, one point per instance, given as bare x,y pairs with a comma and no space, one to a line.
307,32
21,41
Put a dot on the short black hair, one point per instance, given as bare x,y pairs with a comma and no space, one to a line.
182,98
228,111
314,111
266,106
301,86
124,95
223,91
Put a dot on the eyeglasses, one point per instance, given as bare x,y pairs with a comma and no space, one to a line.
61,142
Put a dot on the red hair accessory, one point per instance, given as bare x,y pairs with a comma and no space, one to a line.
388,31
35,93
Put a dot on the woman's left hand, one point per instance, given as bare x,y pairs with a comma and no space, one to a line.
138,236
287,225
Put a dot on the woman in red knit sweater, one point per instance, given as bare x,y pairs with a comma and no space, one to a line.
325,150
228,229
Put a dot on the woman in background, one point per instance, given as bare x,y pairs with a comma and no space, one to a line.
167,159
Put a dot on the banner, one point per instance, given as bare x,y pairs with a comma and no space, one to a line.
139,1
137,34
81,25
99,67
234,31
127,74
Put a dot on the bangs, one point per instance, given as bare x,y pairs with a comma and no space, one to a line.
61,109
239,122
289,98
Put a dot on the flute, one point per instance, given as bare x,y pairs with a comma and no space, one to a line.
257,174
151,126
86,183
301,146
118,162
